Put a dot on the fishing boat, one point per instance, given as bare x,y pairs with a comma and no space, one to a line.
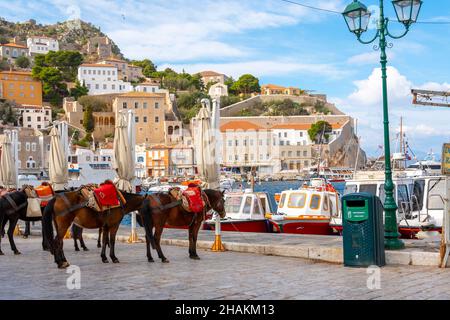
307,210
420,200
246,212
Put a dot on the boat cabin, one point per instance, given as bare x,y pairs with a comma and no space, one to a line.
319,200
247,205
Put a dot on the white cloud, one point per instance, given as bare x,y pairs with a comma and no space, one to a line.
426,127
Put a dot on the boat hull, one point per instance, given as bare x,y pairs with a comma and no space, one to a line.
259,226
321,227
405,232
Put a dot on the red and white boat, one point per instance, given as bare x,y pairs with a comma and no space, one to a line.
307,210
245,212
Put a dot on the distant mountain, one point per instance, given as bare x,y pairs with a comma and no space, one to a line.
72,35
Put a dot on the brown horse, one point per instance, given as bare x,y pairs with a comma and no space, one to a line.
162,208
70,207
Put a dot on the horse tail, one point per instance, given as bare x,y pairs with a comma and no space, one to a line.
47,226
147,221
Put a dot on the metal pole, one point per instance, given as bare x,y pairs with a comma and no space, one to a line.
391,234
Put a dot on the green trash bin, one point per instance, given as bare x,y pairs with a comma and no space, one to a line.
363,230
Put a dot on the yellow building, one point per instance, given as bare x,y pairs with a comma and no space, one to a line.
20,87
272,89
157,161
149,110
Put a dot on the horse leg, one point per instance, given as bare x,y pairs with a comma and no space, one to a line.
61,231
158,233
12,225
148,235
75,237
193,233
27,230
104,242
99,244
112,244
83,245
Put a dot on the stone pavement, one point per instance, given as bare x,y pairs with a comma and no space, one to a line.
313,247
228,275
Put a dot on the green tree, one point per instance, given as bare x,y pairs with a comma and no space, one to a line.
4,65
7,113
67,62
319,132
53,87
88,120
189,105
79,90
22,62
3,40
246,84
230,82
148,67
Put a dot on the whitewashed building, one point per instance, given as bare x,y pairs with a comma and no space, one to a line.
41,45
149,87
218,90
102,79
35,117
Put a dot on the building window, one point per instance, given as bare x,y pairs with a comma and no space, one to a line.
33,147
97,86
27,146
125,105
156,105
145,105
156,119
104,87
301,134
230,143
145,119
136,105
305,153
136,119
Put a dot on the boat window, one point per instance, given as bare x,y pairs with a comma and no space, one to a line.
315,202
350,188
297,200
369,188
283,197
264,205
402,195
233,204
257,211
325,203
247,205
436,194
418,193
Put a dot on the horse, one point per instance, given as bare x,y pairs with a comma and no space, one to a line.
71,207
163,208
13,206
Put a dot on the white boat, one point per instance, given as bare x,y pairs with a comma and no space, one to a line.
307,210
245,212
420,200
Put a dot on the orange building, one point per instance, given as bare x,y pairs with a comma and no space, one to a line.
158,161
20,87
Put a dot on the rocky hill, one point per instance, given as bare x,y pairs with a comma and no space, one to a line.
72,35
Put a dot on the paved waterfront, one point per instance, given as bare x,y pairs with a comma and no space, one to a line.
229,275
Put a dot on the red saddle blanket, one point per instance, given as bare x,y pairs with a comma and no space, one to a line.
194,198
106,195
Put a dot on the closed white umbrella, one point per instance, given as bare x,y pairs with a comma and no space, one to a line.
205,142
58,166
124,160
8,177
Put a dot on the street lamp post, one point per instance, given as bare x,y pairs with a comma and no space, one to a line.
357,18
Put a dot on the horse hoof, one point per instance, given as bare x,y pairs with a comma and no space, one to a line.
151,260
1,253
63,265
105,260
115,260
85,249
77,249
99,246
17,253
195,257
165,261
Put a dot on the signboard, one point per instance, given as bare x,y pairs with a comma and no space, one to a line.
446,159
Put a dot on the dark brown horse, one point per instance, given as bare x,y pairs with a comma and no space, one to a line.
13,206
162,208
70,207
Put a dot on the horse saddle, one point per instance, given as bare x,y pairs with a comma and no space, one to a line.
192,199
45,193
4,192
104,197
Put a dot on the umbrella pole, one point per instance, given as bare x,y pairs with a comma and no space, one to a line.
218,245
134,236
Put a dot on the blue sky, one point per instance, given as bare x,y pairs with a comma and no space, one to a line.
283,44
